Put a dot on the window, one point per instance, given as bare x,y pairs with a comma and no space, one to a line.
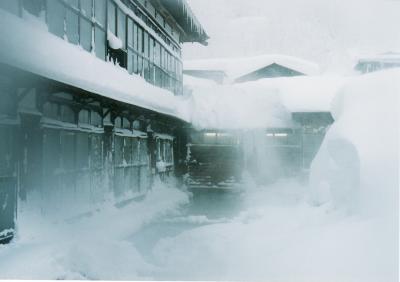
146,69
82,150
10,5
135,150
121,31
157,54
67,150
119,149
100,12
140,65
86,34
84,116
128,150
130,61
140,40
146,44
135,37
86,7
55,17
143,151
72,23
151,49
112,17
50,110
96,152
67,114
126,123
135,63
130,33
51,150
96,119
118,122
100,42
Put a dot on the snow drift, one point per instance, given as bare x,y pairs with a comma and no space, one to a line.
358,160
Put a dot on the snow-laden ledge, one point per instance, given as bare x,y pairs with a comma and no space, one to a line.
33,49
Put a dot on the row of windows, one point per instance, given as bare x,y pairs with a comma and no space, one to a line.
131,165
85,22
152,24
130,151
164,150
66,151
144,55
66,114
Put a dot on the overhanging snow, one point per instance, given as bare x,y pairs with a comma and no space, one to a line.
38,51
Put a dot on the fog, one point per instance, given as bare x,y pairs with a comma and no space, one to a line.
331,33
316,198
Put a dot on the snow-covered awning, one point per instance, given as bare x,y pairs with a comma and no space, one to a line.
32,48
238,67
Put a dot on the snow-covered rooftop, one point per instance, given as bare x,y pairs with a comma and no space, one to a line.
390,57
258,104
32,48
237,67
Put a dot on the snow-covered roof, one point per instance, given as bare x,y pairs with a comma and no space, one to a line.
390,57
238,67
258,104
29,47
187,20
301,93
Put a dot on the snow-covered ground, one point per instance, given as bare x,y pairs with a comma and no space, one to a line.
343,226
92,247
280,236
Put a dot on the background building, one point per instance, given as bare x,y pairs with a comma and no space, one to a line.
379,62
236,70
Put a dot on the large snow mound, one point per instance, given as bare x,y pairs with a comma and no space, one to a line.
358,164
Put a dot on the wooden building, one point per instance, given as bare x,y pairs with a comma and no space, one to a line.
296,116
71,134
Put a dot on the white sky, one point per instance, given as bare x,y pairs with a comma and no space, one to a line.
330,32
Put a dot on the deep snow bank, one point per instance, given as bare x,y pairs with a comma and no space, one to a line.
93,247
358,160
